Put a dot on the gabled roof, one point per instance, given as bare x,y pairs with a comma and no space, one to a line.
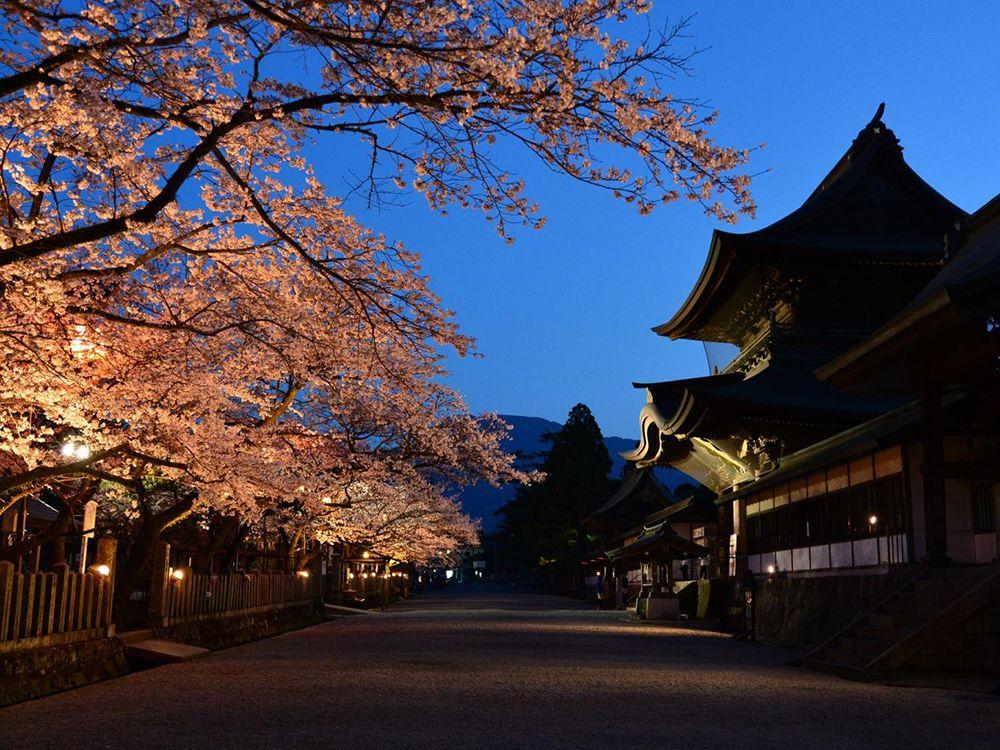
640,493
696,508
39,510
656,537
871,208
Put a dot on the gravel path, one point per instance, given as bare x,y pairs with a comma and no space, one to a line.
495,668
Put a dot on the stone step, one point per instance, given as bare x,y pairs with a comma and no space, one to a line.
899,621
844,657
840,670
960,575
885,633
913,610
159,651
934,587
937,597
863,645
130,636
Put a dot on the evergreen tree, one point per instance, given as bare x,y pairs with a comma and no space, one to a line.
540,528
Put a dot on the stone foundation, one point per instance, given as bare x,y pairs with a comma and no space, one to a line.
33,673
804,612
232,631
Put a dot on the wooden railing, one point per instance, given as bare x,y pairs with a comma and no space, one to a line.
201,597
178,596
44,609
937,628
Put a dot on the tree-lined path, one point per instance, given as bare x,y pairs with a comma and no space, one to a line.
494,667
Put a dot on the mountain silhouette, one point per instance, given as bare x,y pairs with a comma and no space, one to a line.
482,501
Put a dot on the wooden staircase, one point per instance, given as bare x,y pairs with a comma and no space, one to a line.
920,615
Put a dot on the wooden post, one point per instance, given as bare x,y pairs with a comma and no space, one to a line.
935,511
63,600
159,580
107,548
6,595
22,527
89,521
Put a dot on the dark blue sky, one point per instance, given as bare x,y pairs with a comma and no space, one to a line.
564,315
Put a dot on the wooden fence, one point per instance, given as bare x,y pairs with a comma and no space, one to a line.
44,609
178,596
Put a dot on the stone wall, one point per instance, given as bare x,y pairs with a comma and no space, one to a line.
804,612
232,631
33,673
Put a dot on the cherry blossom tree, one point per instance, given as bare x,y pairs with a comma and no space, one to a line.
180,293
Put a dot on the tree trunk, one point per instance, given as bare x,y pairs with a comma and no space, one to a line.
133,564
230,553
224,529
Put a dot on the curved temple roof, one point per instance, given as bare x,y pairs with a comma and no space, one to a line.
871,207
640,489
660,536
690,423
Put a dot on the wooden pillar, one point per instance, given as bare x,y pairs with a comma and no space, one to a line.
725,528
740,530
935,513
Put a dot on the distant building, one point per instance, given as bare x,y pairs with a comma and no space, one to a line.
653,543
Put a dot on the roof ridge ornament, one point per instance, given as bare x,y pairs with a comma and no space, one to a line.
877,119
875,128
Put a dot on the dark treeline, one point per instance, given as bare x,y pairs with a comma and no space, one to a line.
540,537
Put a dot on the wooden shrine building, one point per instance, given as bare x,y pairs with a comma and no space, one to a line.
856,430
651,539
